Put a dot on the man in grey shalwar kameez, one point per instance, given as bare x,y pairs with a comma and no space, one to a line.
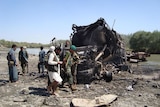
13,74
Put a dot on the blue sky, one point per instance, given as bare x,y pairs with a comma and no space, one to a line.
41,20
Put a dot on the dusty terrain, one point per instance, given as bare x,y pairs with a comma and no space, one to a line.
30,91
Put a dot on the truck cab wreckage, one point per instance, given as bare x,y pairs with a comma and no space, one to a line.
101,51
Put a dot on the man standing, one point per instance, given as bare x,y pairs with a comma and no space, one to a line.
41,60
68,62
13,74
23,59
26,56
75,61
64,51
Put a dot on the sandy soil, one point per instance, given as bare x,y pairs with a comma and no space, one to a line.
139,89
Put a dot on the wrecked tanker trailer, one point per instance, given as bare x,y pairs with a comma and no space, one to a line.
98,47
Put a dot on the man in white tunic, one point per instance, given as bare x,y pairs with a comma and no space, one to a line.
53,71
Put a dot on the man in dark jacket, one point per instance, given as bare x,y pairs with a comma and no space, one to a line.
23,59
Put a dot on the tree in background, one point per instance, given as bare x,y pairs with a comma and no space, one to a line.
8,44
154,43
145,41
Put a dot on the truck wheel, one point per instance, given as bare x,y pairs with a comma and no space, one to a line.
107,76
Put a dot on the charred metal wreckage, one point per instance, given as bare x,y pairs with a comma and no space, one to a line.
101,51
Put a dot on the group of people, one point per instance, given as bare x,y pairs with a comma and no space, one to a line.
12,62
61,65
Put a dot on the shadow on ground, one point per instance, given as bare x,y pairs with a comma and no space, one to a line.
3,82
39,91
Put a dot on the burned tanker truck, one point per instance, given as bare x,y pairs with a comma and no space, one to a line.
101,51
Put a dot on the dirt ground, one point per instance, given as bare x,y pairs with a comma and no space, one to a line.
138,89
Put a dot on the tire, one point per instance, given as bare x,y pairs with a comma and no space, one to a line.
107,76
85,76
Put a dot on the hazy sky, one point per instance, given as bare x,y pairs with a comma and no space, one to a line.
41,20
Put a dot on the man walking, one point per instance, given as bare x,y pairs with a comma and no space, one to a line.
23,59
54,74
